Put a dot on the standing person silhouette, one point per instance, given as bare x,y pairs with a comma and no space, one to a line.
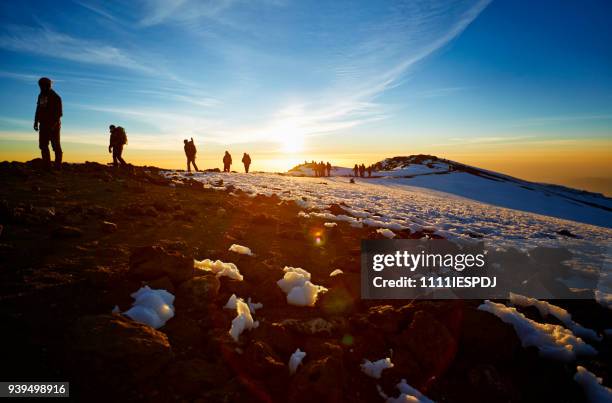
118,139
246,160
47,122
227,162
328,168
369,171
190,153
356,171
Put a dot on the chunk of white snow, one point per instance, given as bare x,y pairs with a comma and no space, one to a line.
408,394
219,268
151,307
243,320
305,295
593,389
375,369
295,360
386,232
330,224
296,284
231,303
294,277
546,308
336,273
552,341
243,250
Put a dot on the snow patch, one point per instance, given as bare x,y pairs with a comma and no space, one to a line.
336,273
151,307
591,384
243,320
296,284
330,224
552,341
232,303
375,369
408,394
546,308
243,250
219,268
295,360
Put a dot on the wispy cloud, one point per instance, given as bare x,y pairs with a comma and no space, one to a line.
47,42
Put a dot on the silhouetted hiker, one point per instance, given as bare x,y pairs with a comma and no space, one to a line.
48,120
227,161
369,171
190,153
362,170
246,160
356,170
118,139
328,166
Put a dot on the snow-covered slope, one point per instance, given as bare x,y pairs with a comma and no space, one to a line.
449,177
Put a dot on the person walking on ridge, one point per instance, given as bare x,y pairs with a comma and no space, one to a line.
190,153
246,160
118,139
47,122
227,162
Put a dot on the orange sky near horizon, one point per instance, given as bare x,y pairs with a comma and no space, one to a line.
584,164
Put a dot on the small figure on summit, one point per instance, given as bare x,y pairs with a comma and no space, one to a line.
190,153
246,160
118,139
227,162
48,120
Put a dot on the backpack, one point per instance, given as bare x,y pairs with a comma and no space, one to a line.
121,137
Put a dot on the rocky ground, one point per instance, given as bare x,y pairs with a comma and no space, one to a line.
75,243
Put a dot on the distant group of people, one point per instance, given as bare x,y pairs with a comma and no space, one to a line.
321,168
360,170
227,162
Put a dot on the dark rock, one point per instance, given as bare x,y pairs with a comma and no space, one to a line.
66,232
322,380
184,332
264,219
335,209
482,334
198,292
567,233
112,346
430,342
162,283
264,362
152,262
546,255
189,377
109,227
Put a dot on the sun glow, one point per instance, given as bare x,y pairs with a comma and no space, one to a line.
292,144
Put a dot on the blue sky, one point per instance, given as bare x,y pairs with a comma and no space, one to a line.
302,78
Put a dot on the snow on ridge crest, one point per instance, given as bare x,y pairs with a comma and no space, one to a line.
552,341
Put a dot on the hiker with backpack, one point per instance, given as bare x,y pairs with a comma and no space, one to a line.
246,160
190,153
118,139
